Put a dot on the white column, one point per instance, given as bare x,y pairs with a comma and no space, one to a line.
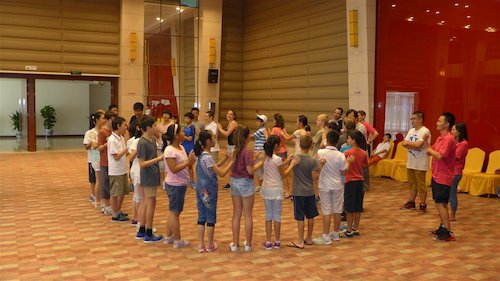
131,82
210,26
361,59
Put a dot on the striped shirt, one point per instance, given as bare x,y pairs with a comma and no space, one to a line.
260,139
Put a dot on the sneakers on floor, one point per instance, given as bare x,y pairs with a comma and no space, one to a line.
408,206
134,223
323,240
248,248
107,211
119,218
91,198
277,244
334,236
152,238
234,247
212,248
169,240
181,244
439,231
140,235
346,234
446,235
267,245
355,232
422,208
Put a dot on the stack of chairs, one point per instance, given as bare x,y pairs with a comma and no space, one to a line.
487,183
473,165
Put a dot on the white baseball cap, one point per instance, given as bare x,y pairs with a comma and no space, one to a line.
262,117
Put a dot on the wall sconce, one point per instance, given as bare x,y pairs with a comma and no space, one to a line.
212,51
133,46
353,28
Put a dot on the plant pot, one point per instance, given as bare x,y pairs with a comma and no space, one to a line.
49,132
19,134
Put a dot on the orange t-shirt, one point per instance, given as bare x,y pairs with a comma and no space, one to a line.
102,138
279,132
355,172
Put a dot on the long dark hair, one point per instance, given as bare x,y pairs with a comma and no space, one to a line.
462,129
201,143
303,120
169,136
93,119
358,137
269,145
240,136
279,121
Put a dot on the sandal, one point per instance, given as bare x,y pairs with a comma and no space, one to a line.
293,245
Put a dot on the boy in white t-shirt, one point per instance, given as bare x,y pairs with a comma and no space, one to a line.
381,151
331,188
117,168
135,176
90,144
417,140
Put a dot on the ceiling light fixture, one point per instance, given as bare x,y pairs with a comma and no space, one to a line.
467,26
437,12
158,19
410,18
490,29
466,6
427,11
468,17
393,5
178,8
441,22
456,4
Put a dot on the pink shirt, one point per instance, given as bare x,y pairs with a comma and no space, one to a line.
443,170
369,128
180,178
460,154
279,132
244,159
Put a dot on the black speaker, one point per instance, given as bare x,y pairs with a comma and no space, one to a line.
213,76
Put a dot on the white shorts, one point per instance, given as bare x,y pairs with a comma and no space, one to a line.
332,201
96,165
135,177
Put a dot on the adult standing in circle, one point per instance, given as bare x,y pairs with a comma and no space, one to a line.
459,131
228,133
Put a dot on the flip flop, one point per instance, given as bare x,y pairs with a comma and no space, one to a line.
293,245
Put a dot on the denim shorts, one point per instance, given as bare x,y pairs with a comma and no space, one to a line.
176,196
104,183
273,209
243,187
206,202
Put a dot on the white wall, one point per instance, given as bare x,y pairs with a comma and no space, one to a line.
71,102
11,90
99,97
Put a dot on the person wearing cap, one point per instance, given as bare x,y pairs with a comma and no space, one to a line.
260,137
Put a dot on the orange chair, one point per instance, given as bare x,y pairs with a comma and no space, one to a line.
387,167
487,183
473,165
374,168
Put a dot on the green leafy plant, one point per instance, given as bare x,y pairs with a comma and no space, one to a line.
15,121
49,117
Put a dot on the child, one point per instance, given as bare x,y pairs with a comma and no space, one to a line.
443,165
331,188
272,189
148,158
302,130
319,138
90,144
381,150
242,187
304,200
260,137
206,190
100,121
135,176
177,164
117,159
102,141
188,142
356,160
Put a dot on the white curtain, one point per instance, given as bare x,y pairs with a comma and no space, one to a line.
398,109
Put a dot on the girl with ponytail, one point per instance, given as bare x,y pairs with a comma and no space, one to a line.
207,171
272,189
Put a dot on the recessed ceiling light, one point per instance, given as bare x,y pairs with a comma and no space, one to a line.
441,22
158,19
393,5
466,6
467,26
456,4
468,17
427,11
491,29
437,12
409,19
451,39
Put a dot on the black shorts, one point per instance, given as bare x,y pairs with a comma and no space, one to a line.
91,174
105,192
353,197
440,192
304,206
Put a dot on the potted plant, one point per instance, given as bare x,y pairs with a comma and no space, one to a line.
15,120
49,119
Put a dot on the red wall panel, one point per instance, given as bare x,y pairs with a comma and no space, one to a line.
443,51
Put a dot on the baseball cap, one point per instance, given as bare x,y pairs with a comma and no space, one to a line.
262,117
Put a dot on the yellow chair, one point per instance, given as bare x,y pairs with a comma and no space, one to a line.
487,183
401,173
374,168
387,167
473,165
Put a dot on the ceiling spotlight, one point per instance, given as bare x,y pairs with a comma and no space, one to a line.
158,19
467,26
393,5
427,11
466,6
410,19
441,22
437,12
178,8
162,20
490,29
451,39
468,17
456,5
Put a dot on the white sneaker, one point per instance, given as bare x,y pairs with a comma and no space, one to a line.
181,244
334,236
324,240
107,211
168,240
248,248
233,247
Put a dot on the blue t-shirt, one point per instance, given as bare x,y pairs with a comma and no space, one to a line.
343,149
260,139
189,131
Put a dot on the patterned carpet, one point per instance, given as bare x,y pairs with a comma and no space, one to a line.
48,231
